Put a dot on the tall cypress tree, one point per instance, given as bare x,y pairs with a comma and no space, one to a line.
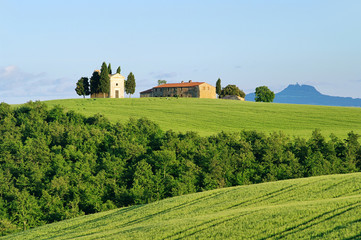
95,82
86,86
104,80
218,87
110,68
118,70
130,84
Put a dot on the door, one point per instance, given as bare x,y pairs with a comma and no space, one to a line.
116,93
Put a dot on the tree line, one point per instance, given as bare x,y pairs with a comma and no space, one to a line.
56,165
262,93
100,82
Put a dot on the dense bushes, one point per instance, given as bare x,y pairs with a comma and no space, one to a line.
57,165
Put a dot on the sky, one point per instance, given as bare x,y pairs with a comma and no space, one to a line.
46,46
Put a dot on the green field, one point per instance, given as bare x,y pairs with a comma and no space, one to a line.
326,207
211,116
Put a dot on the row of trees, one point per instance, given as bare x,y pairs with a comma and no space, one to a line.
100,82
56,165
262,93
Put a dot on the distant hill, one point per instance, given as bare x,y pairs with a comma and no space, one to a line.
306,94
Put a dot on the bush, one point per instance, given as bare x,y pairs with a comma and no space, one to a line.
232,90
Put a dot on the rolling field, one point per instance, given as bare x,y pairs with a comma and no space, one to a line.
326,207
211,116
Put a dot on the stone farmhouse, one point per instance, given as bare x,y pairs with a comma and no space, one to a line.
116,87
184,89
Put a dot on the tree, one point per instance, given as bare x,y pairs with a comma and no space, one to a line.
263,94
109,68
161,82
104,86
118,69
82,87
218,87
95,82
232,90
130,84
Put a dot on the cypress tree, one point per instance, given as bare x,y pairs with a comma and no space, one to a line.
218,87
110,68
118,70
95,82
130,84
104,86
86,86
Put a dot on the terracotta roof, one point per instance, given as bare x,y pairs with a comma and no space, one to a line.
186,84
147,91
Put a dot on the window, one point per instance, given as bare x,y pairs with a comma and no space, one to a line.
116,84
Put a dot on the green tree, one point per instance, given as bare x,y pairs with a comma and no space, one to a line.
82,87
118,69
263,94
161,82
95,83
104,80
130,84
109,68
218,87
164,159
232,90
143,189
25,208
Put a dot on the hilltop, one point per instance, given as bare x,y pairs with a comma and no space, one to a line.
327,207
306,94
211,116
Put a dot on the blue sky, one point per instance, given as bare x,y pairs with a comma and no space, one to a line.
46,46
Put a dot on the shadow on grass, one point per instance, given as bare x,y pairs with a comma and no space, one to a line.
338,228
314,221
65,231
213,223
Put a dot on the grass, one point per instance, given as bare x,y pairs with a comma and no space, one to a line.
211,116
325,207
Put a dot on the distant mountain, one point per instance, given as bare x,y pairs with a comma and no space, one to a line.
306,94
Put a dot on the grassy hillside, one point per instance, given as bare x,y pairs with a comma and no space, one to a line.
210,116
327,207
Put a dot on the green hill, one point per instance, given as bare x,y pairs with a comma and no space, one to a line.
210,116
326,207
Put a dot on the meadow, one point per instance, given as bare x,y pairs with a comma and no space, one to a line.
211,116
324,207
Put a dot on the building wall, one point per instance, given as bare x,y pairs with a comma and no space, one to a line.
146,94
176,92
207,91
99,95
117,84
203,90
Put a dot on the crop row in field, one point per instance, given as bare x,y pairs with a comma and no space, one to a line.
327,207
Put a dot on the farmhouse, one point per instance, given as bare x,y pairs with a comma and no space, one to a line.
233,97
183,89
116,87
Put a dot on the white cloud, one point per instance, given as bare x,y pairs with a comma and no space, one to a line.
17,86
